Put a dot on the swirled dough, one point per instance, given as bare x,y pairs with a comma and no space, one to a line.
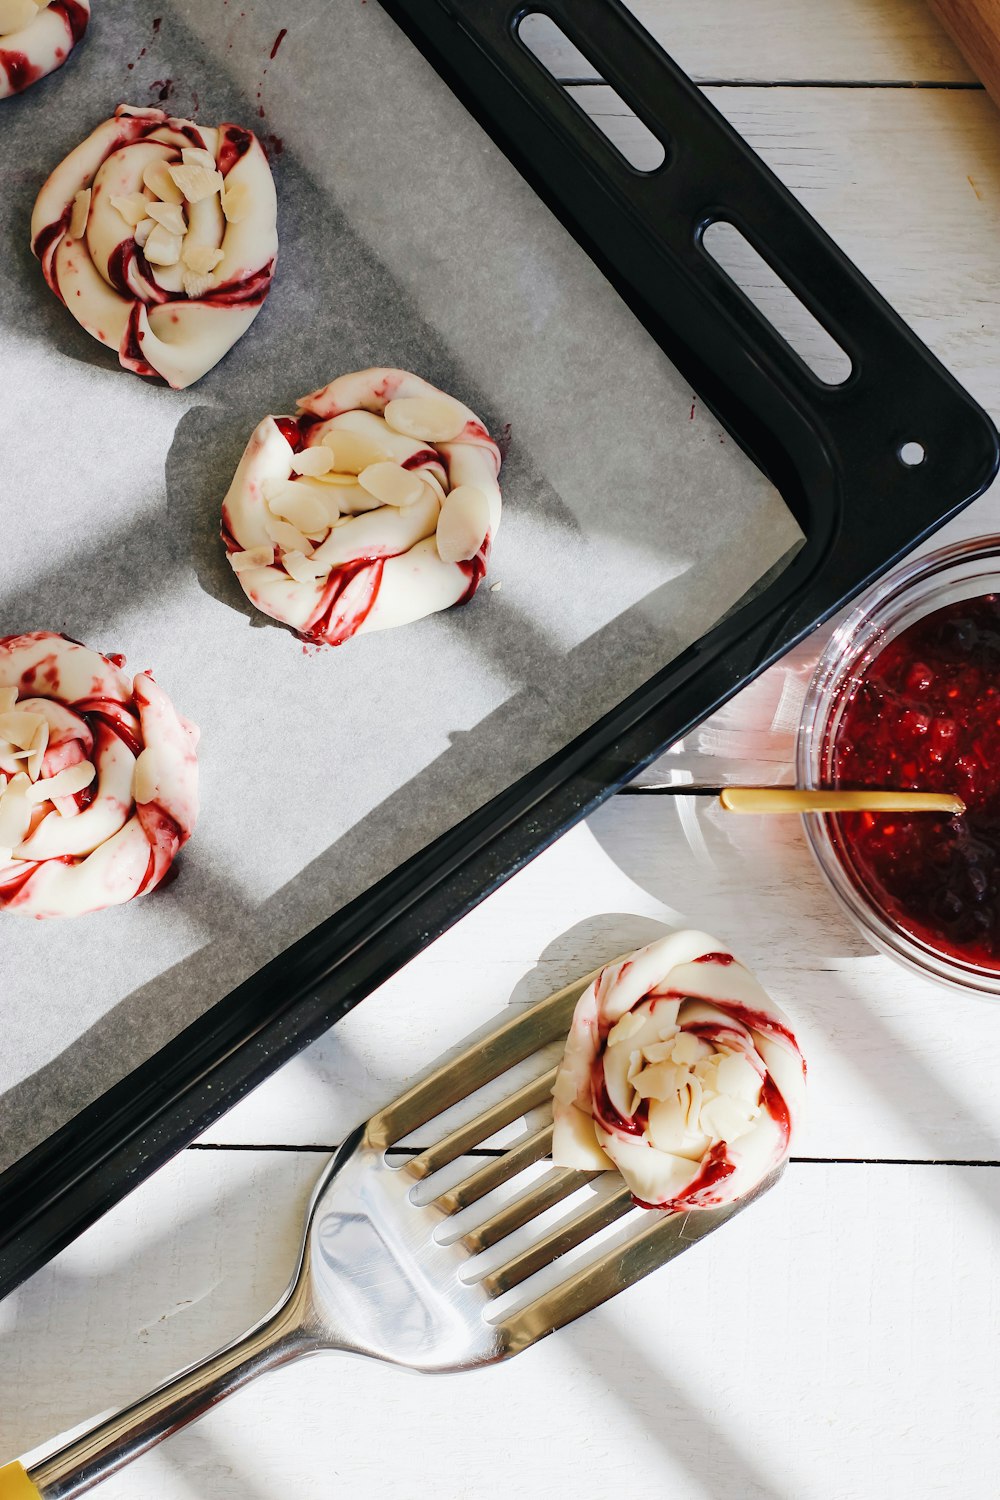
36,37
681,1072
98,779
159,236
374,506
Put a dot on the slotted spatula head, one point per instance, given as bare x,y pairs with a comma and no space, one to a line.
392,1274
406,1262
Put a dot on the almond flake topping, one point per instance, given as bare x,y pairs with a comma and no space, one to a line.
170,215
15,811
254,557
236,202
201,258
348,481
80,214
37,749
303,569
15,15
197,156
145,777
64,783
288,538
162,248
159,181
430,419
312,461
392,484
196,285
20,727
463,524
352,451
143,230
133,208
302,510
196,182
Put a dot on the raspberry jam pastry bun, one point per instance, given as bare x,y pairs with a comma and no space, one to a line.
98,779
374,506
159,236
36,37
680,1072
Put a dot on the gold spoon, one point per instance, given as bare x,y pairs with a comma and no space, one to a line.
793,799
790,799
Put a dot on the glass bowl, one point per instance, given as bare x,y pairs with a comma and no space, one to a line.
965,570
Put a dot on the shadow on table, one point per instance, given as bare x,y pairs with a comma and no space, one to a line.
717,1465
68,1319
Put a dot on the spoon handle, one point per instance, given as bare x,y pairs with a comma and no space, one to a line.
789,799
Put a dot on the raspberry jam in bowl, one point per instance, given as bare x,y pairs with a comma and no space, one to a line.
907,696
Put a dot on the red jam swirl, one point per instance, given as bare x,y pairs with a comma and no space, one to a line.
926,716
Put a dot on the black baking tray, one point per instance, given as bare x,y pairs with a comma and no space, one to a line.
833,452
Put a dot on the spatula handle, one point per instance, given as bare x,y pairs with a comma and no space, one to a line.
115,1442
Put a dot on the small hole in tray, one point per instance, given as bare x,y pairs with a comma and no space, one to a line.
787,314
912,454
606,110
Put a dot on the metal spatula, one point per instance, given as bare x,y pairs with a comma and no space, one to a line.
379,1274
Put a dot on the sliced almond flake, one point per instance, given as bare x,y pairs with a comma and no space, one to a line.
626,1026
8,697
201,258
303,569
133,208
162,248
64,783
39,745
170,215
195,285
143,230
145,777
270,489
302,510
736,1075
288,538
80,215
495,588
197,156
253,557
352,452
688,1048
726,1119
312,461
462,524
236,202
20,727
196,183
159,181
15,811
349,480
430,419
15,15
392,484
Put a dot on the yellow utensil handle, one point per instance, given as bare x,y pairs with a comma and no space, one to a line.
789,799
15,1484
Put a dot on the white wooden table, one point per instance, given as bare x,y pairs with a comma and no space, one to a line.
839,1339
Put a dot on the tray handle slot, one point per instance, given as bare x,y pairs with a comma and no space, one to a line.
835,450
628,136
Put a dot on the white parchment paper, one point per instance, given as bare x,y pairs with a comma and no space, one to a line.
631,524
